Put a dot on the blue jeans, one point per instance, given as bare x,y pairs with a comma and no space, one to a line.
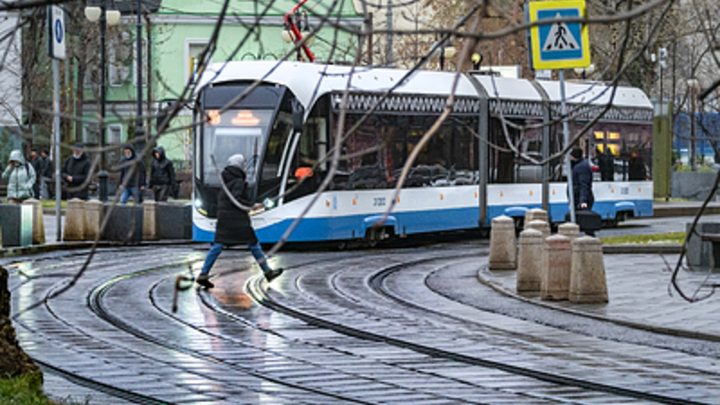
135,191
217,248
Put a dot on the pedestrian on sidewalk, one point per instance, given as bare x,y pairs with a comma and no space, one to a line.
21,178
46,189
233,223
135,184
162,175
582,180
38,164
636,167
75,174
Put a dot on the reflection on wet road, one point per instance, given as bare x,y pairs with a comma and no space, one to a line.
339,327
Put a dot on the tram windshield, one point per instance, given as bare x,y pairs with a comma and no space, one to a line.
232,132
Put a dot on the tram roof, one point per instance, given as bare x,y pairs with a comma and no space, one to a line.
308,80
302,78
597,94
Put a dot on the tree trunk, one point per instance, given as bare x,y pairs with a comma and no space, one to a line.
13,360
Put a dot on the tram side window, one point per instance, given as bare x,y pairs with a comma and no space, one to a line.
381,145
623,151
464,169
311,148
507,166
275,156
501,159
369,163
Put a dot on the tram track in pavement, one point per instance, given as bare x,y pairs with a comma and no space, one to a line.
376,282
243,352
95,299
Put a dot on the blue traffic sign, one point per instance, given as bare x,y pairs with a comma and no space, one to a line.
56,32
561,44
59,31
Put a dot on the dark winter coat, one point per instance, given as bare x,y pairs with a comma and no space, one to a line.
233,224
162,171
39,165
79,170
48,167
636,169
606,164
582,183
138,176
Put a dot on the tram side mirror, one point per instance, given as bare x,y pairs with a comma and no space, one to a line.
297,114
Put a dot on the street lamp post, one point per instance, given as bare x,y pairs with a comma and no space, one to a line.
93,13
446,51
693,84
139,131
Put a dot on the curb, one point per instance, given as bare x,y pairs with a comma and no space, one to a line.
643,249
35,249
683,333
684,211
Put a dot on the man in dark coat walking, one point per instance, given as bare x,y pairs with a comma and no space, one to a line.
233,224
636,167
75,172
135,185
38,163
606,164
46,187
162,175
582,180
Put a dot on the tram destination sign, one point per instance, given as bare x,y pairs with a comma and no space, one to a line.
560,45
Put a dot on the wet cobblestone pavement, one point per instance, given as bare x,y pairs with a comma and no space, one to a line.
401,326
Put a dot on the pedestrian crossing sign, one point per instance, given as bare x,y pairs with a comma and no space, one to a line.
560,45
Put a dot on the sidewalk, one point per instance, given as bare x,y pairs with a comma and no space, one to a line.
640,296
663,209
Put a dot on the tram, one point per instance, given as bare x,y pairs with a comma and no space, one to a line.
463,178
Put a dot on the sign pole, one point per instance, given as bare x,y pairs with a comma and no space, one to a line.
56,50
566,138
56,141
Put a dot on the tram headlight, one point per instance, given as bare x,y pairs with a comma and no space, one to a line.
268,203
199,206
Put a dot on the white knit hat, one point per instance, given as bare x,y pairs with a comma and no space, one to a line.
237,160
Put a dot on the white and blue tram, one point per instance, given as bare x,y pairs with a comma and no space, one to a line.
462,179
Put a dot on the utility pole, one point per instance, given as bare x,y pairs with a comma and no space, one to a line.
139,131
389,44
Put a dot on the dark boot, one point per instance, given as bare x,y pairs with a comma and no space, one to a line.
203,280
273,274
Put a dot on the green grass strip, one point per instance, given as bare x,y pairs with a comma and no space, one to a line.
672,238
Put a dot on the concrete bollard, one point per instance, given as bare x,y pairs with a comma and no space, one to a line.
535,214
570,230
557,261
16,224
174,221
93,219
530,255
38,227
503,251
150,216
587,275
74,220
541,226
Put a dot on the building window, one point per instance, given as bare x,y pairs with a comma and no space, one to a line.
193,50
114,134
117,71
90,133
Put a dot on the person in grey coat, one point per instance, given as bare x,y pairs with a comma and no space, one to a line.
21,178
